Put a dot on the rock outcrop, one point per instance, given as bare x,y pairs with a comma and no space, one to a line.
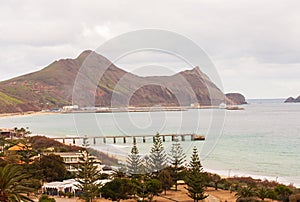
235,99
291,99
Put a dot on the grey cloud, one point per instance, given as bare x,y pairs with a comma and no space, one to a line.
34,33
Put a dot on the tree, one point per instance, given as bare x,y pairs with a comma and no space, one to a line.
177,160
87,177
165,179
196,178
117,189
245,192
157,157
51,167
12,186
119,173
153,187
283,192
216,179
262,193
134,161
22,132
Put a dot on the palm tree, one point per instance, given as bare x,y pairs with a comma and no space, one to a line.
262,193
245,192
12,186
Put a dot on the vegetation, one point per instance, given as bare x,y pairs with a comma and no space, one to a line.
51,168
283,192
245,192
134,162
196,179
215,179
12,184
21,172
45,198
157,157
117,189
177,159
8,100
88,176
42,143
165,179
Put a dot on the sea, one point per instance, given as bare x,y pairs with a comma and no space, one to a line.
261,141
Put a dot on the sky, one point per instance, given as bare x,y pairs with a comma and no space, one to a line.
255,45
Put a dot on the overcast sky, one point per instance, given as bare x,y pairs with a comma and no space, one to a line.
254,44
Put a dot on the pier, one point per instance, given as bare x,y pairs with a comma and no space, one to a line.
133,138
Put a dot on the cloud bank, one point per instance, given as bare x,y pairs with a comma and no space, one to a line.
254,44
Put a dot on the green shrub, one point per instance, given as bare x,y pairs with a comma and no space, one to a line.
69,194
45,198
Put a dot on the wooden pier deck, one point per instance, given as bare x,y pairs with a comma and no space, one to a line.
134,138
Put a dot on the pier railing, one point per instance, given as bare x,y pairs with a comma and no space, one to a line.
125,138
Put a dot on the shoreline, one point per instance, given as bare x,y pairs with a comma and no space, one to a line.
223,173
120,110
28,113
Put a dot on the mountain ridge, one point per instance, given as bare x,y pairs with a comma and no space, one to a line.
53,86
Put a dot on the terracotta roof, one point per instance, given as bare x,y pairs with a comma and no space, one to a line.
19,147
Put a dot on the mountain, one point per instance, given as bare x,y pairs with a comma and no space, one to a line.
291,99
77,80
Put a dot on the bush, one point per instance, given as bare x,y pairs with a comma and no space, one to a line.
61,193
45,198
69,194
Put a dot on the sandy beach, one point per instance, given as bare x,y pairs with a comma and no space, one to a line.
31,113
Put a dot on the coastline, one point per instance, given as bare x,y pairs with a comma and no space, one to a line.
223,173
31,113
263,110
114,110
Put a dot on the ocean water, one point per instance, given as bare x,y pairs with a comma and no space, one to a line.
261,141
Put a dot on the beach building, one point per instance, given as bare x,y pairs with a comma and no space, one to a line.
66,186
72,159
70,108
6,132
195,105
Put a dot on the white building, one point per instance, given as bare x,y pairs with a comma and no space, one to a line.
72,159
70,108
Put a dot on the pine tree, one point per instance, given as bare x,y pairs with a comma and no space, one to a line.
157,157
87,176
196,178
177,160
134,161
